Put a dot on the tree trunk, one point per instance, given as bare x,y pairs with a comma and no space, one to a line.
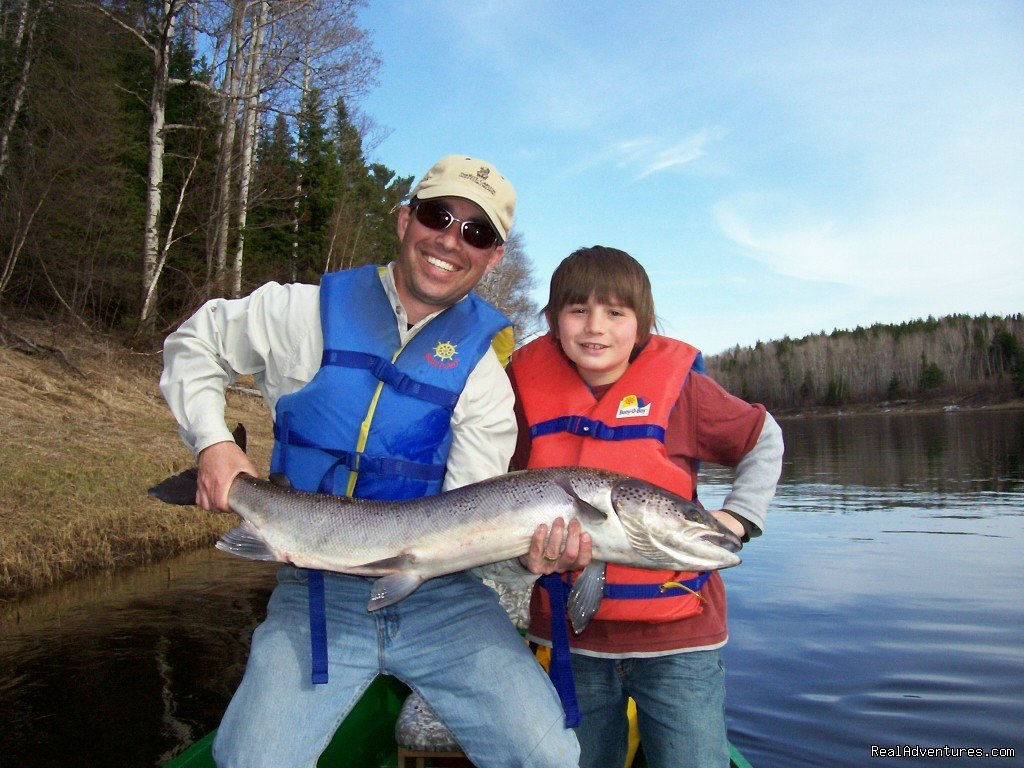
226,155
306,79
154,181
250,115
27,20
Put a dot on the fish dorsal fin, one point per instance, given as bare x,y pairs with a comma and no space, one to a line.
585,511
280,479
638,534
586,594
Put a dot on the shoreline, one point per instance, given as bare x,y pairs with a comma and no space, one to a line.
899,407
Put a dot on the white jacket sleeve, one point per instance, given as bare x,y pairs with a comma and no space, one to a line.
273,334
483,426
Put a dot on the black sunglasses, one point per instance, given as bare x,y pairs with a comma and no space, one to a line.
433,215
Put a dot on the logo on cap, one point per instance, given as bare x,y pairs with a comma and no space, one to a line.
480,181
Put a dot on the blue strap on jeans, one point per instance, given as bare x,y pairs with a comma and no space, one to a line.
560,668
317,626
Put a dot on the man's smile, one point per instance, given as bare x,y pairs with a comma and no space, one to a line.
446,266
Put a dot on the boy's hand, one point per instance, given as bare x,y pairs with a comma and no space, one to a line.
728,521
559,550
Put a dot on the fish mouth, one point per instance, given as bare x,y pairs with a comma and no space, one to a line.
727,540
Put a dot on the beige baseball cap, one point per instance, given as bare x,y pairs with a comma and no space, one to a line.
475,180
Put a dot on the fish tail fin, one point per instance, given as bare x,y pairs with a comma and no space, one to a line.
181,489
244,541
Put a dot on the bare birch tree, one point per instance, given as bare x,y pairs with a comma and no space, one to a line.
277,53
22,48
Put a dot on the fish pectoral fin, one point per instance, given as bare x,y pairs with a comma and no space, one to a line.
585,511
385,567
244,541
585,596
388,590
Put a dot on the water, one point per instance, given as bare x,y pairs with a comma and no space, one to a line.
882,607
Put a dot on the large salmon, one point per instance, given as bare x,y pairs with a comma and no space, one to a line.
404,543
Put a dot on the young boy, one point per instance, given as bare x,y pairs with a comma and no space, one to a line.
600,390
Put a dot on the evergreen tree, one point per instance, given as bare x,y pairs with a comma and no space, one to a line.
271,229
320,187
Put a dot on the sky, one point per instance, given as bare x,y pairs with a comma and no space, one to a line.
780,169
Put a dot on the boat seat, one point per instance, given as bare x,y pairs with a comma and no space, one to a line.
423,738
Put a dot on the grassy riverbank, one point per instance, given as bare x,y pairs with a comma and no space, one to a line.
84,432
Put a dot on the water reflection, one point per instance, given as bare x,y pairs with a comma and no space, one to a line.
135,666
881,607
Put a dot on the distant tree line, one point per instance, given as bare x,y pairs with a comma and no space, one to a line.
155,153
956,355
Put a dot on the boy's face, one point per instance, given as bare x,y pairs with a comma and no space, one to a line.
599,338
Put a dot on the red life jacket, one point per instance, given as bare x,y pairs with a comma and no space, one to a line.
622,432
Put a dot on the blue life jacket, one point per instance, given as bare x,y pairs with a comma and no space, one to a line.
375,420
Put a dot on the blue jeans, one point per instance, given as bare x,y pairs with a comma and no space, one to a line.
680,702
449,640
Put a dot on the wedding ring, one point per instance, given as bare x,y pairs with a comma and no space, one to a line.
549,558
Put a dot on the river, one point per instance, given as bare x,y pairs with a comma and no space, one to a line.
882,610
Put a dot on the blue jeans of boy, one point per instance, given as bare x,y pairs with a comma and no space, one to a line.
449,640
680,709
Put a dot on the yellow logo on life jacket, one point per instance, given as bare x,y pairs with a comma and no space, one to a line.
631,407
445,350
444,354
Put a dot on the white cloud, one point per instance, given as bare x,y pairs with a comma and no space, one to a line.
933,252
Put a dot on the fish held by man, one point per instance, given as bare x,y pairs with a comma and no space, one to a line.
404,543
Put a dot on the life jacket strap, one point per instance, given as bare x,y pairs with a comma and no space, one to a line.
560,668
654,591
357,461
584,427
317,627
386,371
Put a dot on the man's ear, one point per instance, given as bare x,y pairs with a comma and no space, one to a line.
402,223
495,259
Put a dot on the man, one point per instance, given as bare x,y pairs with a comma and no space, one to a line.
383,383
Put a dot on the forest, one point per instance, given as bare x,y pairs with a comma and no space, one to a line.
974,360
155,153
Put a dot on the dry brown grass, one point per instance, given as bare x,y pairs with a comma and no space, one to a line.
80,442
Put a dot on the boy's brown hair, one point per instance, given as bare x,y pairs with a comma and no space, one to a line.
611,276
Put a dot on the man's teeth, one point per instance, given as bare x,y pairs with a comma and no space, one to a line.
440,264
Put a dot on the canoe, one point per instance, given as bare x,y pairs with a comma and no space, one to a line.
366,738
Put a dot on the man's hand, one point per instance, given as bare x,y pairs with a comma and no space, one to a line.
218,466
560,550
